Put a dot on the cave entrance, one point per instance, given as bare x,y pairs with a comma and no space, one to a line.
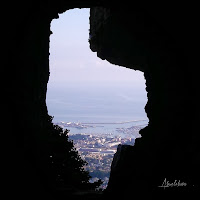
100,103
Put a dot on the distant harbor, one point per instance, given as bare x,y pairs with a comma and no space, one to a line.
124,128
124,122
83,125
74,125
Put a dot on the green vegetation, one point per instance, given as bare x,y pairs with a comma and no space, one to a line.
64,162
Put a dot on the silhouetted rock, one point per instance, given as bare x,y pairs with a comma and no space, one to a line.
131,37
118,157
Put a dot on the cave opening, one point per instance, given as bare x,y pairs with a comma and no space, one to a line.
156,39
101,104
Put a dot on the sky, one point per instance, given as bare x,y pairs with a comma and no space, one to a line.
73,63
81,84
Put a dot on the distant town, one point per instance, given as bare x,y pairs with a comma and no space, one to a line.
98,150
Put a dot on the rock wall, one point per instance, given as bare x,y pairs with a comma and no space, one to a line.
167,148
160,42
133,38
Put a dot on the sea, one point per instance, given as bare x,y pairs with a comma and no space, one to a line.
110,106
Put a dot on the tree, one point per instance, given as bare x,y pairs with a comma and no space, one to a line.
65,164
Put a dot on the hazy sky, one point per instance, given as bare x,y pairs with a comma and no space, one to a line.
72,61
81,84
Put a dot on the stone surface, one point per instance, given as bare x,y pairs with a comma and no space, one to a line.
135,40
